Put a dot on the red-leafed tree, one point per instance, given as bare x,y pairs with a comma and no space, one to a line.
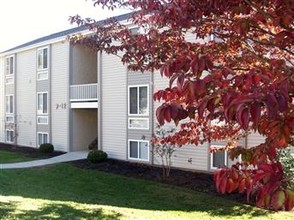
240,75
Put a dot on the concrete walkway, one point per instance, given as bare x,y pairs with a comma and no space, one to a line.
71,156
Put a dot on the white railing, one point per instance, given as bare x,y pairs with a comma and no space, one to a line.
84,92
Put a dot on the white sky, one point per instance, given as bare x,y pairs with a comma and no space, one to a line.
25,20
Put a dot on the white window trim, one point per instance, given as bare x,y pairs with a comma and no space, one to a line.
134,128
9,115
42,133
40,72
42,116
6,141
138,141
211,158
8,95
138,86
48,107
48,58
10,75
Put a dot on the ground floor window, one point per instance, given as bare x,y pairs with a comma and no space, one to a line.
139,150
9,136
218,159
43,138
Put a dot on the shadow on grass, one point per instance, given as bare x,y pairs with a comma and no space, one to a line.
64,182
54,211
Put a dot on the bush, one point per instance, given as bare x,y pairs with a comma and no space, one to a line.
46,148
96,156
287,161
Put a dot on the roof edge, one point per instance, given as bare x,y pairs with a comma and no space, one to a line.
64,33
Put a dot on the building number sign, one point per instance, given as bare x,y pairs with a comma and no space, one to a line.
61,106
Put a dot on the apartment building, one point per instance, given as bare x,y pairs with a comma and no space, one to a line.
54,92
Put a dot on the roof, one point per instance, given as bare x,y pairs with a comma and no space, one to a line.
63,33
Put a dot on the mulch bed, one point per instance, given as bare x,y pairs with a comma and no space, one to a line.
29,151
200,182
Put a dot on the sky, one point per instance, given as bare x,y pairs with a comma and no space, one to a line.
24,20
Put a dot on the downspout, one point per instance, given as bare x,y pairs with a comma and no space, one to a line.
70,114
99,96
152,114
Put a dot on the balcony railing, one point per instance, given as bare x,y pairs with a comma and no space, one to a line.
84,92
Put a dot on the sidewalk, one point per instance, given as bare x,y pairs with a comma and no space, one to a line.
71,156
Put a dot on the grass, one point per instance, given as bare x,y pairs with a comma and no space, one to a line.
11,157
65,192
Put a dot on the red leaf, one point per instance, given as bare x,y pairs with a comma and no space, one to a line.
241,186
202,106
167,114
230,185
159,115
223,185
281,142
174,111
242,116
255,112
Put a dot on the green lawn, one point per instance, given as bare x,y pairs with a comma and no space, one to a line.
66,192
11,157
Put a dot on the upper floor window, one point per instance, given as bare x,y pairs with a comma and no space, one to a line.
9,104
138,100
43,57
42,103
9,65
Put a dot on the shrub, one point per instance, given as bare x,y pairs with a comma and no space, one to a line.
96,156
287,161
46,148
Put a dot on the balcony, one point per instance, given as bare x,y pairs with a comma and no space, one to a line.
84,96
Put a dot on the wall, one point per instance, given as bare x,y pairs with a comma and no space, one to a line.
190,156
84,125
84,65
2,101
60,96
113,107
26,98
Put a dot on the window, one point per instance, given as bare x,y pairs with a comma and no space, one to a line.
42,103
42,62
139,150
138,100
9,65
9,104
9,136
43,138
9,119
42,120
41,75
218,159
139,123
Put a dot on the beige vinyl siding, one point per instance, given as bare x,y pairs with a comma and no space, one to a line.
43,85
2,103
140,79
9,89
26,98
190,156
84,65
255,139
60,95
114,107
84,128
